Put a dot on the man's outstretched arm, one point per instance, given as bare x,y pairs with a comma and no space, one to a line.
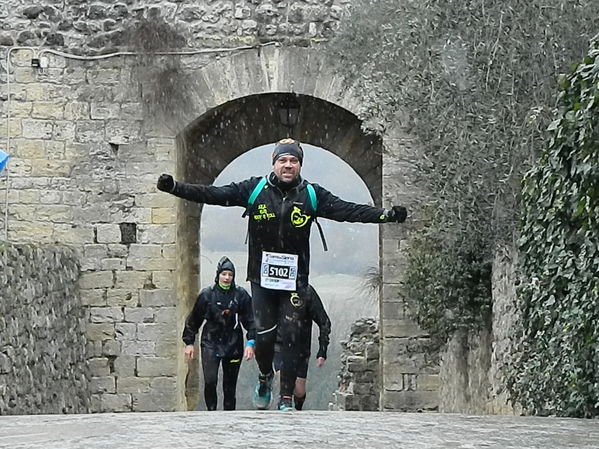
334,208
234,194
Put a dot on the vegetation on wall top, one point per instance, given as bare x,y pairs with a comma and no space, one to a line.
473,81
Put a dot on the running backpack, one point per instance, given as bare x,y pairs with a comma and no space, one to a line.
311,196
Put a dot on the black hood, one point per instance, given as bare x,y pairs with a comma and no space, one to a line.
224,264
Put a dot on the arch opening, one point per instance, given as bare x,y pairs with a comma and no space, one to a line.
217,138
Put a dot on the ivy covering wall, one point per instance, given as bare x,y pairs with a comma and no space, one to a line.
557,367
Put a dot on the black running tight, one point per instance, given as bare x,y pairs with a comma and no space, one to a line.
274,309
210,364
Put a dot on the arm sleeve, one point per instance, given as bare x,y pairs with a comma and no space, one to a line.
247,315
321,318
334,208
195,319
234,194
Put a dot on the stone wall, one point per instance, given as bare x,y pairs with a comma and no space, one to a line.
92,26
86,148
359,380
43,366
471,379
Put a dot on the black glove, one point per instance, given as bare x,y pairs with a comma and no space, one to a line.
166,183
397,214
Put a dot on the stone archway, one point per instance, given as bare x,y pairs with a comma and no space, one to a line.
236,100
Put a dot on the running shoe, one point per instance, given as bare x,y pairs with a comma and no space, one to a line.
263,392
285,404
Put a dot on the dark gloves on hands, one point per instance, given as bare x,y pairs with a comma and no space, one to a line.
397,214
166,183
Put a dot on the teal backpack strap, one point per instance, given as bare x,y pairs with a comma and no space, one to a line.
314,206
252,200
254,195
312,196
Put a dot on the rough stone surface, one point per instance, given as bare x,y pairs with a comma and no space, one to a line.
471,368
359,379
88,27
43,365
308,429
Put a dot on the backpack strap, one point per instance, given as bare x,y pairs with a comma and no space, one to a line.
254,195
314,206
312,196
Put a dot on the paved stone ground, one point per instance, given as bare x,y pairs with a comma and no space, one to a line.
270,429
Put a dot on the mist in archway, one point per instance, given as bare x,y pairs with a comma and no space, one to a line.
338,275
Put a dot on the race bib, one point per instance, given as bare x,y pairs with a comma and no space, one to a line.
278,271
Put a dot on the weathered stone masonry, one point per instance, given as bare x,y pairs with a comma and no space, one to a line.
43,360
85,155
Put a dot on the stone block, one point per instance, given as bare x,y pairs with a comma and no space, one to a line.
103,384
112,263
150,264
395,310
356,364
76,110
157,233
411,401
402,328
167,316
106,314
145,251
155,401
93,297
30,149
372,351
139,315
100,331
125,331
116,402
37,129
96,279
99,367
108,233
157,297
132,280
122,297
156,366
124,366
111,348
133,385
163,279
44,167
155,331
164,216
155,200
103,111
138,348
72,234
47,110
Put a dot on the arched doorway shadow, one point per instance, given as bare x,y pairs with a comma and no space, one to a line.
222,134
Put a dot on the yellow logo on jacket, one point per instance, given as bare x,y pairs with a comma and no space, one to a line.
295,299
263,213
298,219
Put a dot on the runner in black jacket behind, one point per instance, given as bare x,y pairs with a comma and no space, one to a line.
224,307
279,249
305,311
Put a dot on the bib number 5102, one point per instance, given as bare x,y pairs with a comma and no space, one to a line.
279,272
